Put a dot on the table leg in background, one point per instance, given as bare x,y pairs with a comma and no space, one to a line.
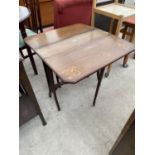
108,70
32,60
48,79
125,61
54,90
51,84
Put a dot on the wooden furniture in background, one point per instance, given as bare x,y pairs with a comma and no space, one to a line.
101,21
46,10
129,28
34,21
76,52
115,11
28,105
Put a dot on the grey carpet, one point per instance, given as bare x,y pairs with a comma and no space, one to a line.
79,129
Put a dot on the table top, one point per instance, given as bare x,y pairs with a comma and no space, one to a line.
24,13
116,10
77,51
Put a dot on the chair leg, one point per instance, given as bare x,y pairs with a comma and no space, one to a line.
21,89
132,34
32,60
125,61
108,70
132,39
125,29
21,52
57,78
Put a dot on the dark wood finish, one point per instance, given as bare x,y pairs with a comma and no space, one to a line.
34,22
21,90
46,11
27,110
79,55
29,106
128,124
54,36
24,13
77,51
100,76
47,78
53,89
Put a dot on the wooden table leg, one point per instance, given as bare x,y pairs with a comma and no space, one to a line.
125,61
125,29
131,39
22,30
98,73
52,87
116,32
32,60
54,91
108,70
93,13
48,79
119,24
58,81
100,76
132,34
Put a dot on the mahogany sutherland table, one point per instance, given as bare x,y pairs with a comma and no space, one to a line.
76,52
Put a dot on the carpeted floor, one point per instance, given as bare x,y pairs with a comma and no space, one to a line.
79,129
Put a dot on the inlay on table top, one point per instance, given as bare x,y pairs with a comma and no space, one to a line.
77,51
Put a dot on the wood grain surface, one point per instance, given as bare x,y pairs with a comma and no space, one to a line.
77,51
